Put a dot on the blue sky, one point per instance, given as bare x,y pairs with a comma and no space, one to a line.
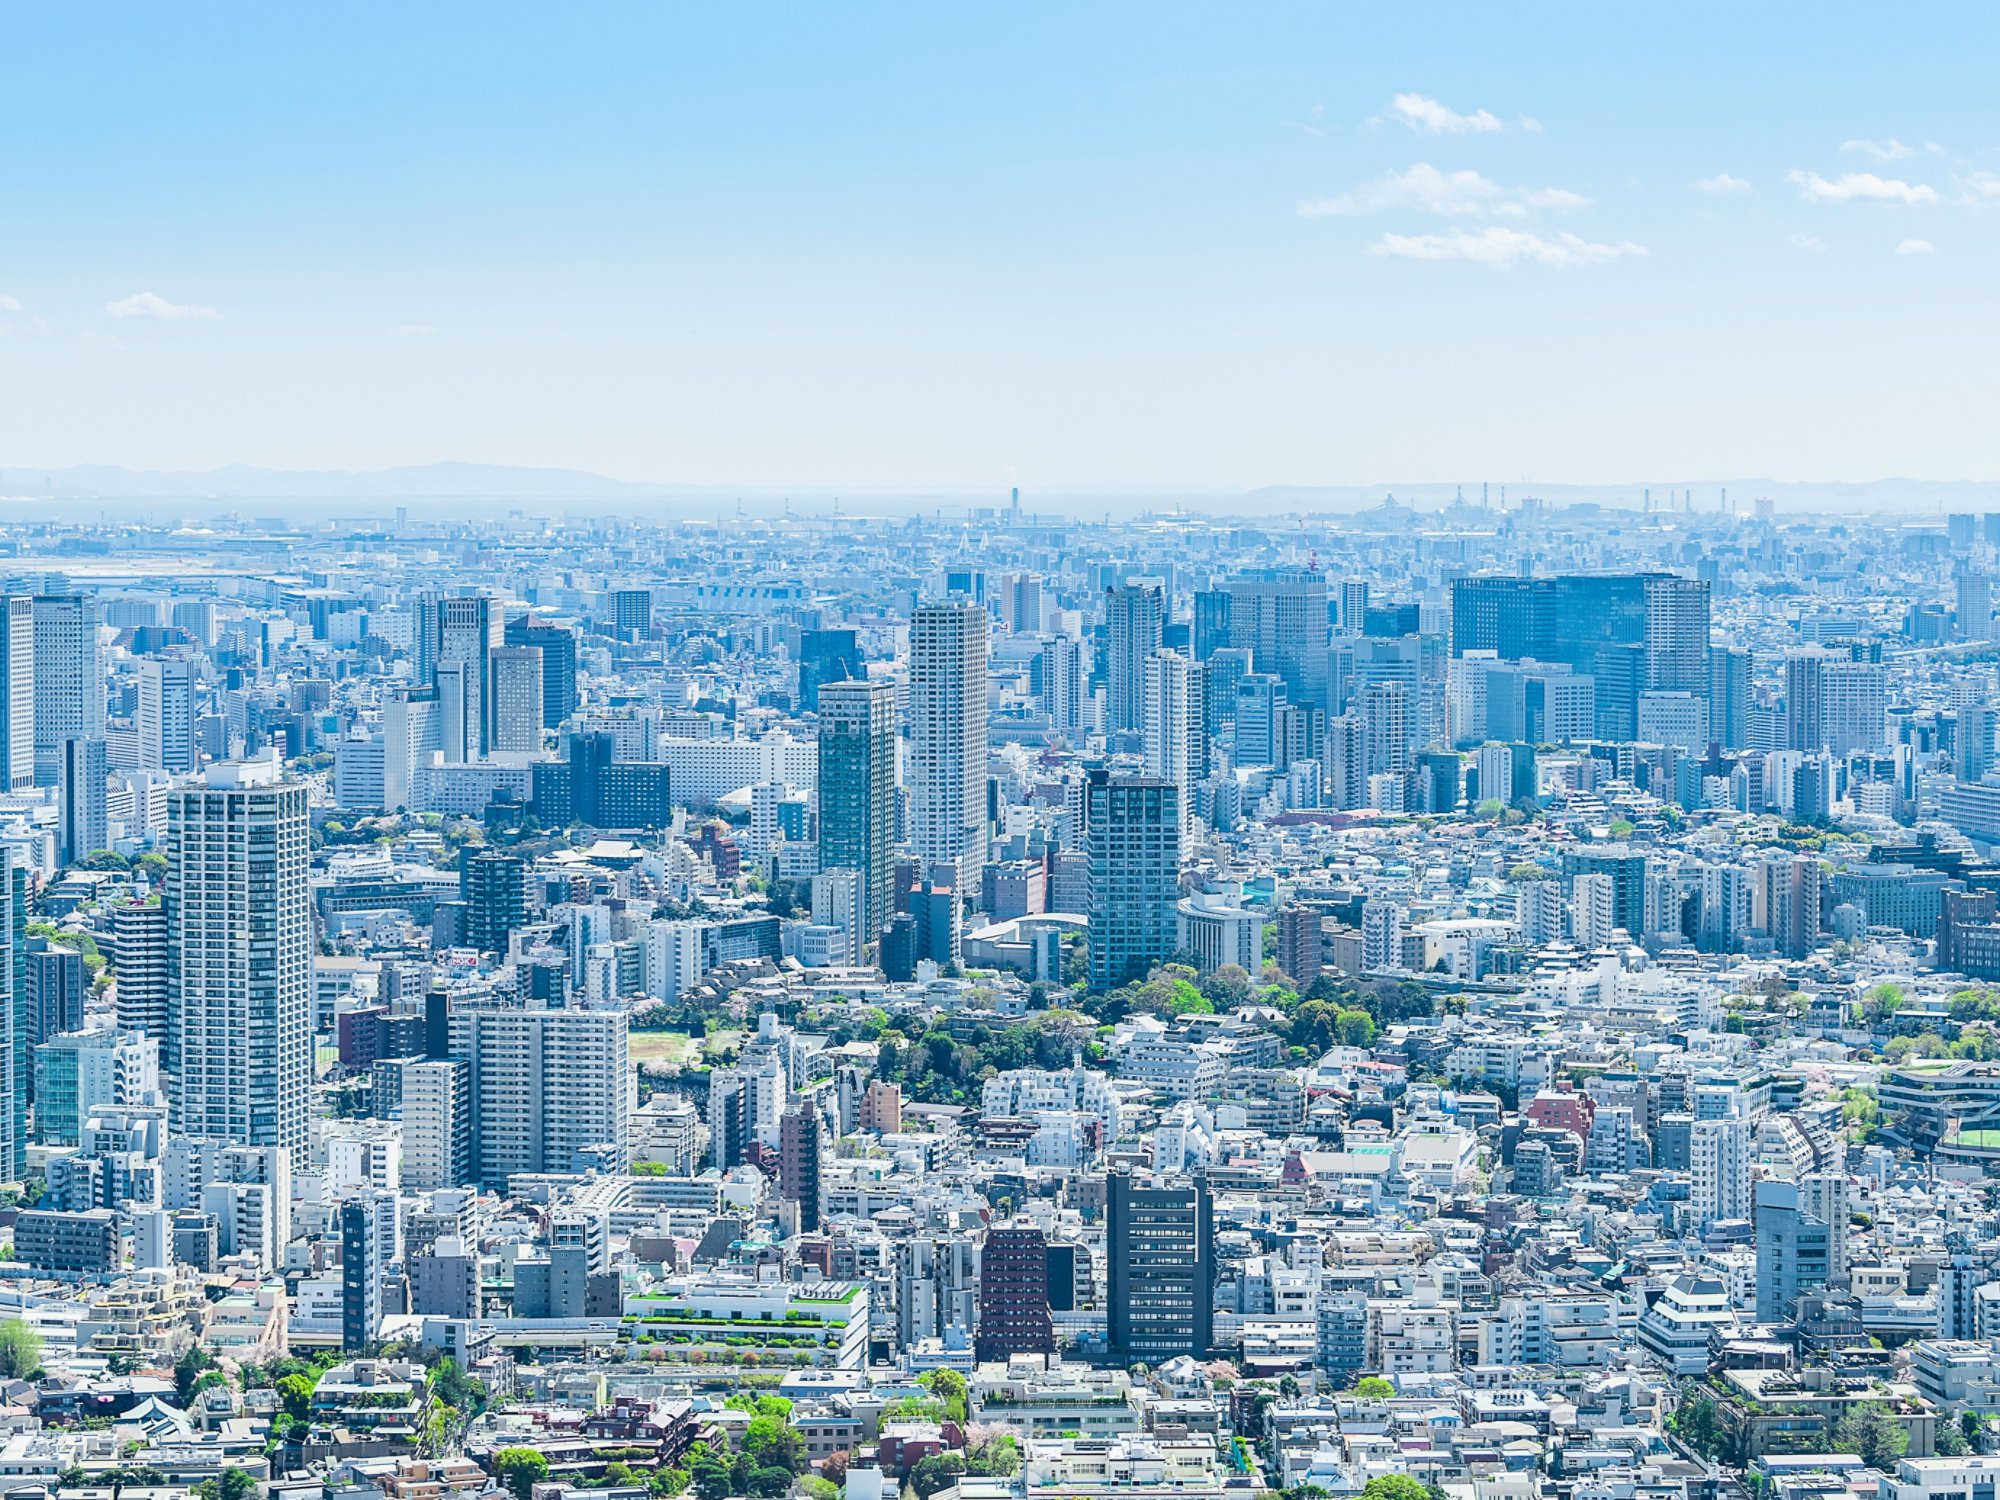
958,247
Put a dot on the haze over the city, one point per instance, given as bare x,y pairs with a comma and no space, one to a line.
885,249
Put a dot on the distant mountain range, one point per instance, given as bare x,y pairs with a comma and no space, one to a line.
447,481
458,487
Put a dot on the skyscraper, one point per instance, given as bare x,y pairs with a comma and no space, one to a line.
557,643
550,1088
1135,615
239,957
166,713
948,726
1161,1280
826,656
518,682
140,929
1729,700
1066,687
1135,840
17,692
69,677
360,1274
16,1059
802,1141
1170,723
1834,701
1279,616
494,887
82,827
857,790
1014,1313
469,632
1632,631
1975,606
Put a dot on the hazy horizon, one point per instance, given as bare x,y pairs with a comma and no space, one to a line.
888,249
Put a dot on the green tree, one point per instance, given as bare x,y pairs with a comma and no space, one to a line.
521,1469
1355,1028
1394,1487
1373,1388
1870,1431
1227,986
939,1471
768,1443
20,1349
230,1484
296,1391
950,1388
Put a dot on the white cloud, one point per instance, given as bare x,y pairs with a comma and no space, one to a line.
1503,249
9,304
1916,247
1977,186
1853,187
1530,124
151,305
1460,194
1428,117
1812,244
1722,185
412,330
1889,150
95,340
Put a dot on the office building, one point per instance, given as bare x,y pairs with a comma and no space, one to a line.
16,1057
1066,695
1729,697
1161,1264
80,1072
1793,1251
470,630
1974,615
948,738
140,931
802,1144
239,957
69,678
518,681
83,825
1135,618
1171,716
826,656
857,791
1834,702
494,888
166,713
436,1115
557,643
1014,1313
1279,616
17,692
1134,840
58,983
550,1089
361,1269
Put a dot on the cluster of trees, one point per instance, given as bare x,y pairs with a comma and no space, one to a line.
989,1452
940,1068
20,1350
